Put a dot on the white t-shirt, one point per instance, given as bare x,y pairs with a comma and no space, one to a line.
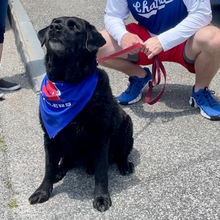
173,21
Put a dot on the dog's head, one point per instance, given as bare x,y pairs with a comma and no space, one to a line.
69,34
72,42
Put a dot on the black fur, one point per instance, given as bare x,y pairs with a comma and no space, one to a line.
102,132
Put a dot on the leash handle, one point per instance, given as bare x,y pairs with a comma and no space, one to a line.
157,67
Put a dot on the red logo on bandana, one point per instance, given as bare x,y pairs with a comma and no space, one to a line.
51,91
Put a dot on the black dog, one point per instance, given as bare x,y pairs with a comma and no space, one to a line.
101,132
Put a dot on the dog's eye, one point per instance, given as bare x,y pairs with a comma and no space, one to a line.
72,25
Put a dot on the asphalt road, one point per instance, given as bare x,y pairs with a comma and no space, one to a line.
176,151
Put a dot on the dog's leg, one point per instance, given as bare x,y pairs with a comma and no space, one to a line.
102,200
63,168
125,145
90,169
52,158
125,167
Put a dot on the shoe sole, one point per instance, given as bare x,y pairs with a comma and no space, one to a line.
194,104
138,98
11,88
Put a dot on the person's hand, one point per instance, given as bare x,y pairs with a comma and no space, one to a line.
130,39
151,47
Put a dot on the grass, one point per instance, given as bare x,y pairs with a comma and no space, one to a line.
8,185
3,144
12,204
3,147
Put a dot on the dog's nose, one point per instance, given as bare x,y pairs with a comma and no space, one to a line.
55,26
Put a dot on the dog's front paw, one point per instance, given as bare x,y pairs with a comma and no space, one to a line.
39,196
126,168
102,203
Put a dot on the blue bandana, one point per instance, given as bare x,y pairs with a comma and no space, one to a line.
61,102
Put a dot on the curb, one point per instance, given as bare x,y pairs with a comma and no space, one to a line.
27,43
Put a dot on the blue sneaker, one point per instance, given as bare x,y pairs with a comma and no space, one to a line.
209,107
135,89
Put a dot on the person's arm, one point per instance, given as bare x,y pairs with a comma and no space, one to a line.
200,15
116,12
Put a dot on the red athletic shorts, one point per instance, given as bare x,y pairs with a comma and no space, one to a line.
173,55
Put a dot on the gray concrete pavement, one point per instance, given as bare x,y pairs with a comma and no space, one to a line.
176,151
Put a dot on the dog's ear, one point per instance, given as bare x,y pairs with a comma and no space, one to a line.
42,35
94,39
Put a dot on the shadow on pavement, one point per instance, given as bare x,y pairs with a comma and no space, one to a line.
77,184
175,96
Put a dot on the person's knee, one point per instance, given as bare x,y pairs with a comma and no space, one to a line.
111,46
215,41
209,38
206,41
102,50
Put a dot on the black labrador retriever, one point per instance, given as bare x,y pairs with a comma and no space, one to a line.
81,119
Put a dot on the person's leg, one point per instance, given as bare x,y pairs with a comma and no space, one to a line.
4,85
1,49
138,76
121,63
204,49
3,6
3,13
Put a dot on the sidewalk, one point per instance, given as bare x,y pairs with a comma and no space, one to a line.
176,151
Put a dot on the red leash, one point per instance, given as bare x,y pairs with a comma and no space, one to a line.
157,67
120,52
